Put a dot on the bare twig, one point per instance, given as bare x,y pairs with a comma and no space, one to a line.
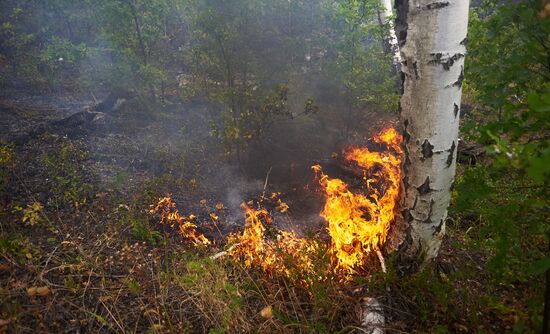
266,181
381,258
47,262
112,316
93,97
223,253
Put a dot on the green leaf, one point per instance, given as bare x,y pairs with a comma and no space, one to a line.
539,167
540,266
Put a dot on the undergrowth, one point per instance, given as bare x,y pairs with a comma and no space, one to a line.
111,269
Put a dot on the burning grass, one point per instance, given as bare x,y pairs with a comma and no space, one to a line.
357,223
109,268
169,215
286,254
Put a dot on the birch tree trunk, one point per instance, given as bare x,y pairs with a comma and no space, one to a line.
432,38
384,16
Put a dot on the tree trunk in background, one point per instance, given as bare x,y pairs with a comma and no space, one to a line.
141,42
432,38
135,17
384,15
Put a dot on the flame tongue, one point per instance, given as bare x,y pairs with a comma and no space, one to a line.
169,215
357,223
286,254
251,245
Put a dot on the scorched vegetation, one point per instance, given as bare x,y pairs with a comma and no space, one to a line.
245,166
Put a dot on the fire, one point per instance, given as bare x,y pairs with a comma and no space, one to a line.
250,245
277,255
359,223
169,215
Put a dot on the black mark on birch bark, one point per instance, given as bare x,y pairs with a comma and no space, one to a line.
406,136
404,73
458,82
415,68
428,219
446,62
407,216
450,157
406,151
456,109
436,58
425,187
401,25
402,77
464,41
407,162
436,5
427,150
438,228
405,185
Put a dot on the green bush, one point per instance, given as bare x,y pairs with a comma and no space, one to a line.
65,165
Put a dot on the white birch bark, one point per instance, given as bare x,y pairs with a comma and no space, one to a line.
432,37
385,15
372,316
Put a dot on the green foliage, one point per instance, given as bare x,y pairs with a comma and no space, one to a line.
507,53
248,57
65,167
133,286
504,199
32,214
223,297
61,58
15,45
240,59
142,231
507,79
508,209
46,44
16,247
236,129
361,63
144,41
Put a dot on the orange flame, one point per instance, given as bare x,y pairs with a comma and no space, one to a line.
281,255
251,246
359,223
169,215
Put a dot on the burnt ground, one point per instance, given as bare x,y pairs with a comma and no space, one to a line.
170,146
102,263
170,149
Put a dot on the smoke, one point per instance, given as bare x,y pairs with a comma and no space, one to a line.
306,46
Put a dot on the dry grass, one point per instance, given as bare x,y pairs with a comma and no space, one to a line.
105,266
